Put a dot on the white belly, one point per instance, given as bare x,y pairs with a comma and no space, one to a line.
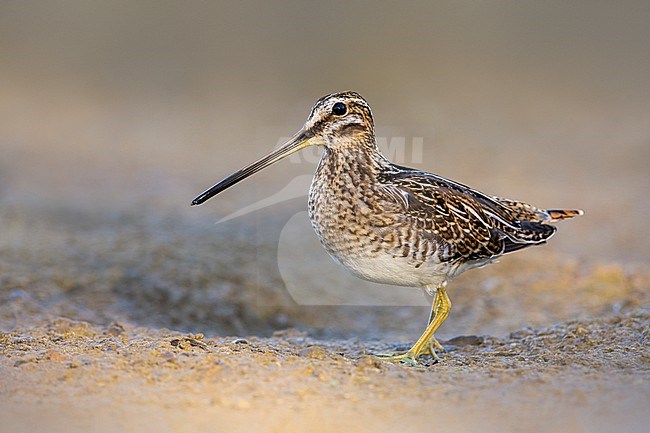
398,271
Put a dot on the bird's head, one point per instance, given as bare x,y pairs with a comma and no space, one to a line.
337,121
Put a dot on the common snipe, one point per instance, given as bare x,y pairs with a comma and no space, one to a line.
396,225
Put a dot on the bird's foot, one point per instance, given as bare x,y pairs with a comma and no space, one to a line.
431,347
408,358
411,357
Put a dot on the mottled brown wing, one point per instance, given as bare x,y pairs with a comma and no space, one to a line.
455,221
466,223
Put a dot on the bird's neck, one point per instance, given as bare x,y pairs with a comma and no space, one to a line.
352,164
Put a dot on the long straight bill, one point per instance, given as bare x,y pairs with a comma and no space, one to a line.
298,142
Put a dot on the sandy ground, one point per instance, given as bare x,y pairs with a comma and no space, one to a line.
88,346
578,376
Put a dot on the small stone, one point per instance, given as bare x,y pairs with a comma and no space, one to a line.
369,362
581,331
55,355
465,340
167,356
289,333
314,352
115,329
22,361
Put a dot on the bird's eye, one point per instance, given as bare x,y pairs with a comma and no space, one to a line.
339,109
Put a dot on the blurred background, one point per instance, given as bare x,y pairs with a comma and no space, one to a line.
114,115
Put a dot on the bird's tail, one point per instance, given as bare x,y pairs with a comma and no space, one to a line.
526,212
562,214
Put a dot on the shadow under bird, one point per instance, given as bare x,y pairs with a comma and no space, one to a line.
397,225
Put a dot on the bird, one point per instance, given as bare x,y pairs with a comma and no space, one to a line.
397,225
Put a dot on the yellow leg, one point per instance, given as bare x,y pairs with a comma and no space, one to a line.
433,342
427,342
